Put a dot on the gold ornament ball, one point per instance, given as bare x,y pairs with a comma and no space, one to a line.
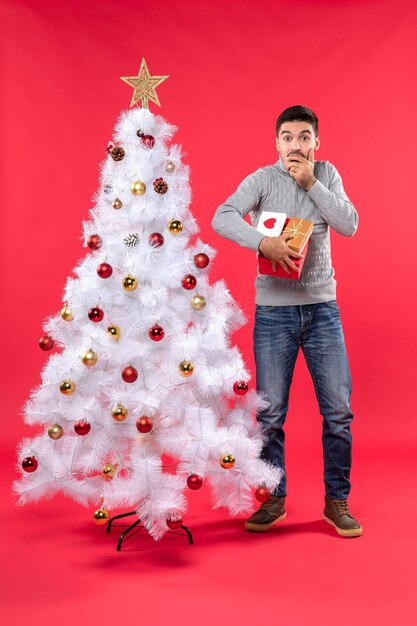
198,302
227,461
138,188
119,413
66,313
89,358
114,332
108,471
67,387
175,227
55,431
186,368
170,167
130,283
101,516
117,204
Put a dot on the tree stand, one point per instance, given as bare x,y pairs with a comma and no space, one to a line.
126,534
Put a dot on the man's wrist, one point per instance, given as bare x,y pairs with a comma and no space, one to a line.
260,243
310,184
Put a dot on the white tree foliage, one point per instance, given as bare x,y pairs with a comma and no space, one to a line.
196,420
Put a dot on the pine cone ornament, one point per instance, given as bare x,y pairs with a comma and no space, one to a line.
117,154
160,185
131,240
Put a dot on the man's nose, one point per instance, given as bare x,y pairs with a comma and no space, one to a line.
295,144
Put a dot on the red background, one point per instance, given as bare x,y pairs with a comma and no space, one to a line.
233,66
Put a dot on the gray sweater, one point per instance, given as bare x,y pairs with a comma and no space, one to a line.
271,188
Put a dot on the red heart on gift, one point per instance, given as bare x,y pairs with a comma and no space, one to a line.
270,223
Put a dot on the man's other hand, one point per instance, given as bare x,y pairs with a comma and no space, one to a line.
302,169
276,250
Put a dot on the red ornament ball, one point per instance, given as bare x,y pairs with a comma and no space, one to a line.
29,464
262,494
201,260
96,314
46,343
156,240
82,427
144,424
174,523
94,242
189,281
156,333
129,374
104,270
240,388
194,482
148,141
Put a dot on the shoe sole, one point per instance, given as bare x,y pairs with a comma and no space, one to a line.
259,528
353,532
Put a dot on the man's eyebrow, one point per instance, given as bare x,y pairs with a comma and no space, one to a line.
301,133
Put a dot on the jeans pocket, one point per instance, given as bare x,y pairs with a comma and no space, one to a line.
332,304
264,308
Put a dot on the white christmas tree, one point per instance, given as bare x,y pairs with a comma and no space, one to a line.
145,369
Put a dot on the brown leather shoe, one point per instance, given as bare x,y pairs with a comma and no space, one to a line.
269,513
336,513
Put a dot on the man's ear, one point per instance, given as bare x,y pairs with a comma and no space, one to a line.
317,146
277,144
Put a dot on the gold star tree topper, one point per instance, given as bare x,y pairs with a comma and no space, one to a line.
144,86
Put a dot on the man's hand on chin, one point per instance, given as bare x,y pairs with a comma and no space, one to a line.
302,169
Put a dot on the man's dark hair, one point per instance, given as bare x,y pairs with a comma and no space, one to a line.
298,113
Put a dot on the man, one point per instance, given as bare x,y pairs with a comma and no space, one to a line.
293,313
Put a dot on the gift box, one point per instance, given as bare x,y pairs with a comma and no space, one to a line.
301,231
271,223
265,265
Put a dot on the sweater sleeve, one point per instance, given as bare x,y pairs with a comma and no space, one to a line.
228,220
334,205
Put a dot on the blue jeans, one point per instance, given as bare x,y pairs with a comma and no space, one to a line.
279,332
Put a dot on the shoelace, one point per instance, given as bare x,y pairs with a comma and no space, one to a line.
342,507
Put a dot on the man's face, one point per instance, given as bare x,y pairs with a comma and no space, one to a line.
296,138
